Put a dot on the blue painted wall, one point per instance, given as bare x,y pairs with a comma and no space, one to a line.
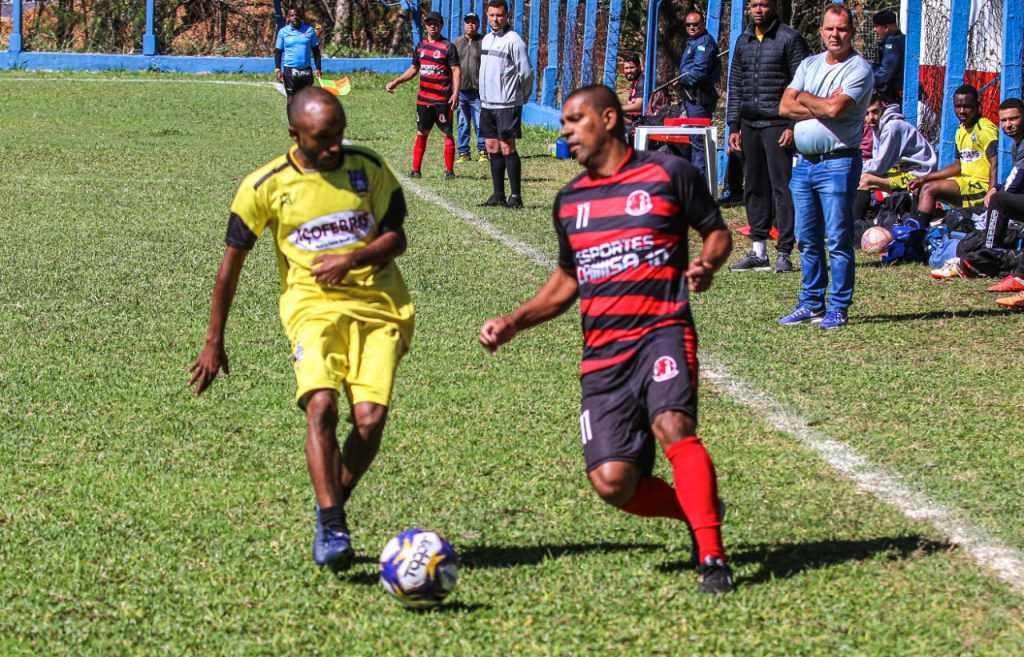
49,61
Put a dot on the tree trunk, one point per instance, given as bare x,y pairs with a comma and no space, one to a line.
397,35
672,37
342,14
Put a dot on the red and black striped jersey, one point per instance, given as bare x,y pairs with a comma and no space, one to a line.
625,238
435,60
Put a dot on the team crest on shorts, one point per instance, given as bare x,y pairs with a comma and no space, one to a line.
665,368
360,183
638,203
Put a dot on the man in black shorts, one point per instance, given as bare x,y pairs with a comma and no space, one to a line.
295,51
506,80
436,61
622,229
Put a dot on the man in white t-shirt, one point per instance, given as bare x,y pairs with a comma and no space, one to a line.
828,98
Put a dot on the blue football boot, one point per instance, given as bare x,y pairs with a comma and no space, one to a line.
332,548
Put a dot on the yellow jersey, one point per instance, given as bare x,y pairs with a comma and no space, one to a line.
312,213
975,146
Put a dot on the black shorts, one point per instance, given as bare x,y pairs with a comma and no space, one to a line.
504,124
620,402
427,116
296,78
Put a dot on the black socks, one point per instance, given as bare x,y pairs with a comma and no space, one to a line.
514,166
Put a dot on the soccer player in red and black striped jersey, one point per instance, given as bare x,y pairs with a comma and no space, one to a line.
436,61
622,228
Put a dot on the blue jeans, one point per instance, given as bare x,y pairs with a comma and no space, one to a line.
696,155
823,196
469,112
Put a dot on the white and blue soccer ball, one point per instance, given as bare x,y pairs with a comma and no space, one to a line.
419,568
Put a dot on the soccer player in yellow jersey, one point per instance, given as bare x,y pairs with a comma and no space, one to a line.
966,181
336,216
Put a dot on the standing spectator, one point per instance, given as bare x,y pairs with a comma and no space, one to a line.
699,72
468,46
634,72
437,62
966,181
899,153
892,44
765,59
506,79
295,50
828,98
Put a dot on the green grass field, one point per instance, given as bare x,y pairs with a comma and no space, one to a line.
137,519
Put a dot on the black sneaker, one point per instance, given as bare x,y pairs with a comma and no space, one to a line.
449,175
783,264
514,203
728,199
415,174
715,576
493,202
752,263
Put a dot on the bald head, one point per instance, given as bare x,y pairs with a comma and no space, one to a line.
316,122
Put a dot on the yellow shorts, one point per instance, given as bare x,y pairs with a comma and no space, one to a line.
899,180
337,352
972,190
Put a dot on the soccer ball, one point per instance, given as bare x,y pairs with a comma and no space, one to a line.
418,567
875,240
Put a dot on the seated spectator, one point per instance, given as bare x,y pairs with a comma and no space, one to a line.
966,182
992,248
899,153
634,104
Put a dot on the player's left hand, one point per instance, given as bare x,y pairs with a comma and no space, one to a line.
317,74
786,138
331,269
699,275
453,102
989,195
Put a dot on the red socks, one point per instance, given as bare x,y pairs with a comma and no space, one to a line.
654,498
697,491
449,153
418,148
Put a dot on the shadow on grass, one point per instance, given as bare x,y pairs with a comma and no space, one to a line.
486,556
783,560
938,314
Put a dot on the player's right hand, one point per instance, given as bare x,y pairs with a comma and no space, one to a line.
280,76
735,142
204,369
390,87
496,332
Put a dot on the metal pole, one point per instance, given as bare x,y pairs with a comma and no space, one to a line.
14,41
611,46
551,70
912,61
651,51
533,45
1010,84
956,64
149,38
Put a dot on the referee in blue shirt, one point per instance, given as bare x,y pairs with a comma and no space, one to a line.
296,49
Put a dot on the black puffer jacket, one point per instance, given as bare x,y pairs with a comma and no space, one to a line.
761,71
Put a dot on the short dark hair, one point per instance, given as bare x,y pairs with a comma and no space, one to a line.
837,8
1012,103
602,98
498,3
632,58
968,90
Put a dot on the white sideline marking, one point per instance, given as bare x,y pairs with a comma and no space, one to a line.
1001,559
232,83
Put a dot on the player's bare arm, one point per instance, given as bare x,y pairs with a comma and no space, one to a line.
409,74
551,300
716,250
453,102
791,108
950,171
213,357
332,269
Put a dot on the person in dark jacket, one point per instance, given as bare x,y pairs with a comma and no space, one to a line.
764,60
699,72
468,45
892,45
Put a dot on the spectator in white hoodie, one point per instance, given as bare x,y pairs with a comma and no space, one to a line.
506,79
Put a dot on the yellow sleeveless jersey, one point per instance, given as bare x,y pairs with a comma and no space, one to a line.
975,146
313,213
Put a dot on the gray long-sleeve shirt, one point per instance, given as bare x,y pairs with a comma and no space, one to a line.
899,144
506,77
